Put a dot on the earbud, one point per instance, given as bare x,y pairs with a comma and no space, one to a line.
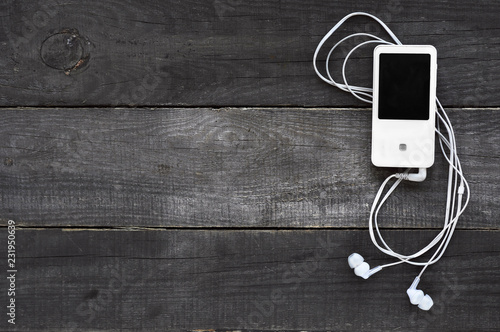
355,260
417,296
361,268
426,303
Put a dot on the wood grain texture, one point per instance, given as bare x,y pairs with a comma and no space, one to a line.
225,168
70,280
183,168
227,52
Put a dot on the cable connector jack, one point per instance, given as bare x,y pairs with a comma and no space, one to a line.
415,177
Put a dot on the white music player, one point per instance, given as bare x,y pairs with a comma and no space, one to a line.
404,106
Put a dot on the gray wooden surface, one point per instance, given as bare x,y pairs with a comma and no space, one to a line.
231,167
269,280
227,52
178,166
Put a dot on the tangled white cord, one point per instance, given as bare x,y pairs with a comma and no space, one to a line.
457,184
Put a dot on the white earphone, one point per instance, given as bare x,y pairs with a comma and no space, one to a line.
417,296
457,184
361,268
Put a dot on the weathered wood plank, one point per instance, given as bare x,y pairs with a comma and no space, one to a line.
228,167
229,280
226,52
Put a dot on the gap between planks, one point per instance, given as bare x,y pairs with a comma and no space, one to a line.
214,228
215,107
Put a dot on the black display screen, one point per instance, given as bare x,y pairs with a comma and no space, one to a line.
404,86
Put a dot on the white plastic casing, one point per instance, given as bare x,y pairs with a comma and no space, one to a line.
418,136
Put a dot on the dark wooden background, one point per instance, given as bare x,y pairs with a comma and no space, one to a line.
177,165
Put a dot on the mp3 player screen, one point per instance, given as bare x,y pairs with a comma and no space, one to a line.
404,83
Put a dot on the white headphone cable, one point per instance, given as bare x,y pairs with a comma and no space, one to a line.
457,184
